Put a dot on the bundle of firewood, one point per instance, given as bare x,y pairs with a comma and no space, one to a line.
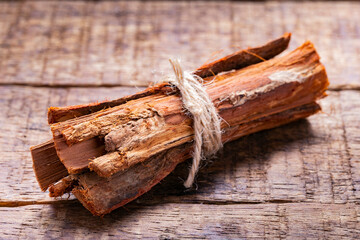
109,153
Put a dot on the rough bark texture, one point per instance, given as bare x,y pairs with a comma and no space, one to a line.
137,132
101,195
298,78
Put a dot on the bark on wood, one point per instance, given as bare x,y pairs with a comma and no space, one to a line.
293,80
297,79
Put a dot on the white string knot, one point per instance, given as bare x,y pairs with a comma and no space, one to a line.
207,131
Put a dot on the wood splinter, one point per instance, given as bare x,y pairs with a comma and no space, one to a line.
109,153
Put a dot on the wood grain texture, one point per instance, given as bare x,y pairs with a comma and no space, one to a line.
122,43
185,221
298,181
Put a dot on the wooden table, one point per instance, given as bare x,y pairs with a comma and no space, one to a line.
301,180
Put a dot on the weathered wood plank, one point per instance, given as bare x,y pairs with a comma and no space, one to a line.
180,221
122,43
312,161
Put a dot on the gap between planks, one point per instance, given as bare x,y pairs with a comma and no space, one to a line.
337,87
167,201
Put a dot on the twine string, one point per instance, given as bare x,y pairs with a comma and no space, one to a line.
206,121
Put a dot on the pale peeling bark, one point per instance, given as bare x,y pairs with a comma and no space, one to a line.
102,125
136,142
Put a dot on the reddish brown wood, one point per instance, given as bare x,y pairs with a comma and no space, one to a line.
245,57
126,186
251,99
47,167
240,96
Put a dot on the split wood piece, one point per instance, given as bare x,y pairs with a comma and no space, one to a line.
237,60
47,167
147,126
244,58
58,114
102,195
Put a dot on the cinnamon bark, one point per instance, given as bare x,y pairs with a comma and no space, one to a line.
140,128
130,144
